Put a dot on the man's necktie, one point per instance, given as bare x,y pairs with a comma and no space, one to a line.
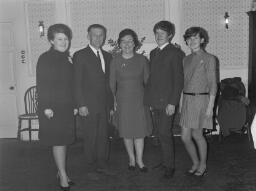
101,64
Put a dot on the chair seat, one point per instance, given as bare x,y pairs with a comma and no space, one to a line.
28,116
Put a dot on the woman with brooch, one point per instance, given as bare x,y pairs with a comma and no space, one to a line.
56,108
128,74
198,97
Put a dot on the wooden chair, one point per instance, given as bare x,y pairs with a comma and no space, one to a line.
30,100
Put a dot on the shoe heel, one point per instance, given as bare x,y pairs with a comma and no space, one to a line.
200,174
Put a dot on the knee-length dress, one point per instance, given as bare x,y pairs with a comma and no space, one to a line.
127,79
199,77
54,85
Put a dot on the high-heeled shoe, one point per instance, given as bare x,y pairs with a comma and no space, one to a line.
199,173
131,167
70,182
143,169
65,188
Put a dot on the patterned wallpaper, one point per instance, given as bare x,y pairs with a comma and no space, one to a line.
229,45
38,10
115,15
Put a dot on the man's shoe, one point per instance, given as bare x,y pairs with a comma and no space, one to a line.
169,172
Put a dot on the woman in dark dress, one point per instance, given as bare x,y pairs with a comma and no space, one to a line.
54,76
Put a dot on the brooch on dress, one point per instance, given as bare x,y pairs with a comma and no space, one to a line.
123,65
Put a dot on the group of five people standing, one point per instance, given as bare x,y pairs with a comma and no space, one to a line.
131,86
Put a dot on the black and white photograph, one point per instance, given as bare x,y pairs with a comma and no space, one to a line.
127,95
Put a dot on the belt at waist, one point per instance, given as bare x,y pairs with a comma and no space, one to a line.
194,94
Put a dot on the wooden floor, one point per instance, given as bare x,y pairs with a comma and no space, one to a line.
29,167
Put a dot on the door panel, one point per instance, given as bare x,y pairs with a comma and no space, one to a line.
8,106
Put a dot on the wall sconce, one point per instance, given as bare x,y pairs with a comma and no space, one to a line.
226,17
41,28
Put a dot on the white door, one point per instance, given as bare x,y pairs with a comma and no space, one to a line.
8,106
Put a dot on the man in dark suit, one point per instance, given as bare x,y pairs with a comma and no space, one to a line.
164,88
93,97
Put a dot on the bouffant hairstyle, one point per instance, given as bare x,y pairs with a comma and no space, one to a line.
59,28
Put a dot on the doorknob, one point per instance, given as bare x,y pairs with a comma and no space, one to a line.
11,88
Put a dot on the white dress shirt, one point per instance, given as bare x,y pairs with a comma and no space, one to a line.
101,57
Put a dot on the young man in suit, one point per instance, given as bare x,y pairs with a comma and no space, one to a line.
164,88
94,98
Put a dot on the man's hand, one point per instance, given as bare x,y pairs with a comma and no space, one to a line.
83,111
170,109
48,113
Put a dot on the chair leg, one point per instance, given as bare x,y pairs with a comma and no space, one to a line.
110,139
19,129
249,132
29,129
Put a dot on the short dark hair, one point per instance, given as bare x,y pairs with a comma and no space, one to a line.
59,28
193,31
97,26
128,32
166,26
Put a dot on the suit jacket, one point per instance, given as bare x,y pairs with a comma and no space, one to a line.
166,78
91,83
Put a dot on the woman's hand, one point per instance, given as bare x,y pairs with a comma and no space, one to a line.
48,113
75,111
209,111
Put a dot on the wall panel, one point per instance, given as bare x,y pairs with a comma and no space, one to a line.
38,10
229,45
115,15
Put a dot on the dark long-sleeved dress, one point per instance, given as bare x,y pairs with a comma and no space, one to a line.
54,85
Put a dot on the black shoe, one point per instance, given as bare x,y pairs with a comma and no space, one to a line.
131,167
66,188
71,183
143,169
169,172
